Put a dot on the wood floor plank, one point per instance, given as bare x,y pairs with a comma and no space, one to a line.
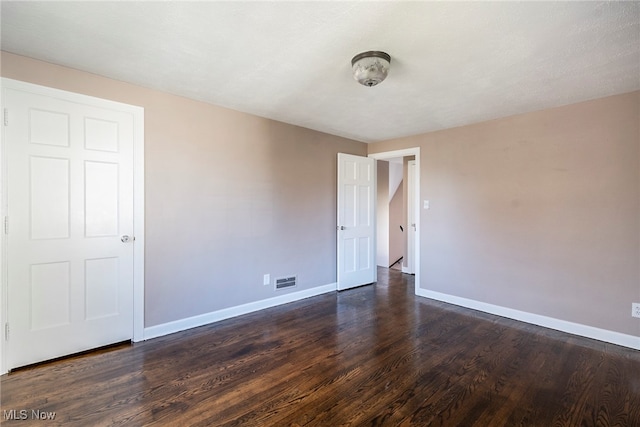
372,356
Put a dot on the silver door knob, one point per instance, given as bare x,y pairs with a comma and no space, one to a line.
341,227
125,238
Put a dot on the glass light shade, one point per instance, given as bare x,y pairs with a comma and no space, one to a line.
370,68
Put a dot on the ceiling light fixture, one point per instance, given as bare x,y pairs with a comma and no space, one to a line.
370,68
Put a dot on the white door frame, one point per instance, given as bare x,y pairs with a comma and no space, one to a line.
387,155
138,201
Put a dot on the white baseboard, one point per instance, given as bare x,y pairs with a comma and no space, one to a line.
536,319
226,313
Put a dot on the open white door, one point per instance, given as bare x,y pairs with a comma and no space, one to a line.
70,204
356,221
412,214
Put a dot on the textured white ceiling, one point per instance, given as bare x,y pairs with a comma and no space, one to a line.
453,63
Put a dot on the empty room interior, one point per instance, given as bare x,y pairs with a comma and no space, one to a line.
320,213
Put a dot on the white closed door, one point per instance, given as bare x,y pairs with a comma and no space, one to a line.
356,221
70,224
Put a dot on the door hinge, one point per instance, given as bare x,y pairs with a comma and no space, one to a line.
6,117
6,331
6,225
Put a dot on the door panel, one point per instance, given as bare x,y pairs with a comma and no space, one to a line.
356,221
101,199
49,197
49,296
69,201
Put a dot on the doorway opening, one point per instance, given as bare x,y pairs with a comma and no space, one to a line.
391,212
397,227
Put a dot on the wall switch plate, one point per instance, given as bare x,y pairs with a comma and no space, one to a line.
266,280
635,309
425,205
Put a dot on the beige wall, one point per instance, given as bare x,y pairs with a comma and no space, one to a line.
538,212
229,196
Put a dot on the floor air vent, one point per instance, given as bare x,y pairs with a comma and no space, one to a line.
286,282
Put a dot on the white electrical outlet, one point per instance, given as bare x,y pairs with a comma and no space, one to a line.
266,279
635,309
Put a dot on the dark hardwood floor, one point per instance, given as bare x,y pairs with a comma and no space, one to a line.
371,356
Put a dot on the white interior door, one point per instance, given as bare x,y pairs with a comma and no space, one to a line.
356,221
70,226
411,217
